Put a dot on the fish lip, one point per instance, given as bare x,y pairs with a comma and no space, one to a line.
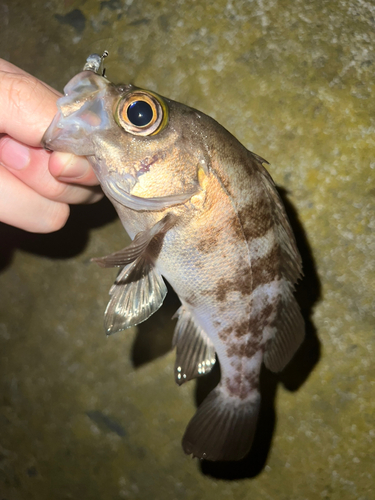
81,111
51,132
127,180
58,138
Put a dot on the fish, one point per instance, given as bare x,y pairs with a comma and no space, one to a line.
204,214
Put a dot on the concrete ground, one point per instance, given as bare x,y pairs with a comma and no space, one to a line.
85,417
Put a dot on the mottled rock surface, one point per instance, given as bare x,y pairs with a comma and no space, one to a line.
85,417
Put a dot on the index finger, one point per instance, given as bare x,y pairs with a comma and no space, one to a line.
8,67
27,105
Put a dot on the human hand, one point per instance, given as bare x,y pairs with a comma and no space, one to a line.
36,186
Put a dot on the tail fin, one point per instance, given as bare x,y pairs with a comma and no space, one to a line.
223,427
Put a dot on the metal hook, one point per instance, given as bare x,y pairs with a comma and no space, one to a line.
95,62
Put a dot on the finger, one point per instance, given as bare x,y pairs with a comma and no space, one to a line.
27,107
67,167
30,165
22,207
11,68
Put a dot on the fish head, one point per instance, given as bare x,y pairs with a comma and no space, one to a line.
140,144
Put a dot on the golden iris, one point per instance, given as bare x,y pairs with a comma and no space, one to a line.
142,113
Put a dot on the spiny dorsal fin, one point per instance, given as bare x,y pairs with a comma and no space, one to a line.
289,334
195,353
291,263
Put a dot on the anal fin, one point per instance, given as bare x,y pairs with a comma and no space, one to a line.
195,353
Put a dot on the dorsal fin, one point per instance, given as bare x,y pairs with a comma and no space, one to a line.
290,259
289,334
289,331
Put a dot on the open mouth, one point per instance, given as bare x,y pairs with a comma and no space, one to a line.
81,112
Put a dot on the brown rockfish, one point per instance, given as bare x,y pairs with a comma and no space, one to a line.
202,212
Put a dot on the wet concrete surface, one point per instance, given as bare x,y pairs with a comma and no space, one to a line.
82,416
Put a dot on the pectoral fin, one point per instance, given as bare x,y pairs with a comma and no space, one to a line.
139,289
138,246
195,353
138,292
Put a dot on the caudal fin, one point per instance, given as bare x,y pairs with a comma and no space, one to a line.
223,427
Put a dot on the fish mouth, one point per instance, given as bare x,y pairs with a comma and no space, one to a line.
81,112
119,191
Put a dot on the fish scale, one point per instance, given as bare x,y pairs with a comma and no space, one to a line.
203,213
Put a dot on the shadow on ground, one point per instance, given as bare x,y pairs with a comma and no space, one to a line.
154,337
63,244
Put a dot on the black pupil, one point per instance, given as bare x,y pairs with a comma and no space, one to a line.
140,113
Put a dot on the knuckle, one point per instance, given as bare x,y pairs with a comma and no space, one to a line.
20,88
52,188
57,191
95,196
56,218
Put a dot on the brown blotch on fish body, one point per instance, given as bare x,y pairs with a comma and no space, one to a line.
241,282
261,320
241,329
235,224
266,269
241,385
225,332
245,349
255,219
223,287
208,244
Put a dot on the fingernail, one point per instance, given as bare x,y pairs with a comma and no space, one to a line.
72,166
14,155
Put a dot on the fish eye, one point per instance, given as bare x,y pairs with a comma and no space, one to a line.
142,113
